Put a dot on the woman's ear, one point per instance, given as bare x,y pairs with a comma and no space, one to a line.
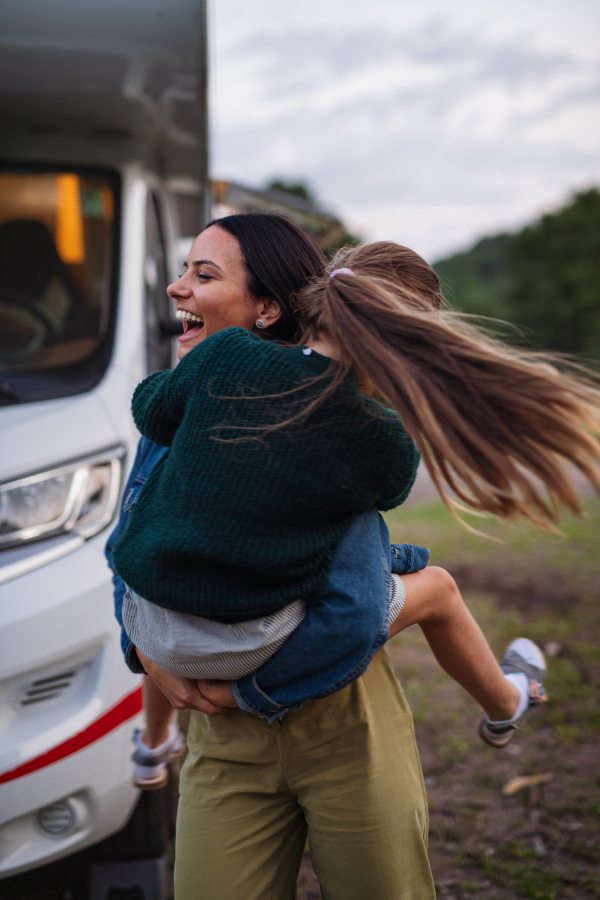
268,311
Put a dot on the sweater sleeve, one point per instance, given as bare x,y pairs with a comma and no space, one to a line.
159,402
155,413
401,478
397,461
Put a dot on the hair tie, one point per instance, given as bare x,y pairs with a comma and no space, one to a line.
340,272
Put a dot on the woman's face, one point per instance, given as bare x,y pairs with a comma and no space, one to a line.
212,294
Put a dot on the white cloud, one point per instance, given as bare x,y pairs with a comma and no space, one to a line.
429,131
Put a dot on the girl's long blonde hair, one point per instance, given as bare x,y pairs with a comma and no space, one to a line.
495,425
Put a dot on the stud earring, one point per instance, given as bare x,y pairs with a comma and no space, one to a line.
260,323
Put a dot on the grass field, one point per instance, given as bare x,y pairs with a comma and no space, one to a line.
542,842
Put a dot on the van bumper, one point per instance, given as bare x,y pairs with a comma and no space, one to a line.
68,708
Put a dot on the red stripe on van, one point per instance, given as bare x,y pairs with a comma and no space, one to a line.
127,707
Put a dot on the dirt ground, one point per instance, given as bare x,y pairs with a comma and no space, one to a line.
543,841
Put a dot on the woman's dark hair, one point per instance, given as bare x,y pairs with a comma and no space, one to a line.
280,260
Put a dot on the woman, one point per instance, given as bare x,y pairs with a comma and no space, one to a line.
348,768
373,320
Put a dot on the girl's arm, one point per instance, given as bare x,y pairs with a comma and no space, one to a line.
399,462
159,401
155,407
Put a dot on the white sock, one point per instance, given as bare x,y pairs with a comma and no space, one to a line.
521,682
160,747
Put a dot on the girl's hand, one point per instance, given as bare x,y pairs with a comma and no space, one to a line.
217,692
181,693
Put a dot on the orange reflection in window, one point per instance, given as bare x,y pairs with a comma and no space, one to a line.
69,221
107,204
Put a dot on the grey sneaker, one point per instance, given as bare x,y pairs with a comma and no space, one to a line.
525,658
151,766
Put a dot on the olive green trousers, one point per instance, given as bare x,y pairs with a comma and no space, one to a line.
343,770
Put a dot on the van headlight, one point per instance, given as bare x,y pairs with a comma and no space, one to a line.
80,496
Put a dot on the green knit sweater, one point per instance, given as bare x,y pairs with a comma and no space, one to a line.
233,531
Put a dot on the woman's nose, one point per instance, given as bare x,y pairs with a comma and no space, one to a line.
179,288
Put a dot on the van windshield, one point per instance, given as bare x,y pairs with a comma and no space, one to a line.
57,274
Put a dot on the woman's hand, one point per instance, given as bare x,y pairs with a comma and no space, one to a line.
182,693
216,692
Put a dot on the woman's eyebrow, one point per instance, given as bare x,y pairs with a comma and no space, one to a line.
206,262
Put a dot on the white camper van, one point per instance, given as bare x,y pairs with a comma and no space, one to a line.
102,177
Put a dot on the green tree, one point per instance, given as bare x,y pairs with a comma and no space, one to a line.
545,278
477,281
554,268
296,188
329,232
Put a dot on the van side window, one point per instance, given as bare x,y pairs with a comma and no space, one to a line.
158,304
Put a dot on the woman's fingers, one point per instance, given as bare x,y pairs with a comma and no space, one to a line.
204,705
180,692
217,692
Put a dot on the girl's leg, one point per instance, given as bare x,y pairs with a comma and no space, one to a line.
159,742
158,714
433,601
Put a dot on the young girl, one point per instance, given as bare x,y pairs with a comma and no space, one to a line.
207,542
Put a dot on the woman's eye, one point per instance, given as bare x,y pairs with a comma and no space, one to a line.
205,277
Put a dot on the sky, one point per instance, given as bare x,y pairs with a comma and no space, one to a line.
429,122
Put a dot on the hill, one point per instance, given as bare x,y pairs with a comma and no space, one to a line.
545,278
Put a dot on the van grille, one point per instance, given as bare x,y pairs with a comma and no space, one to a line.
47,688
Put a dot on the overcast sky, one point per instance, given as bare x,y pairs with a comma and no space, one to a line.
429,122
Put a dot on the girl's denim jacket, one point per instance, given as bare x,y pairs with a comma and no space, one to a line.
347,619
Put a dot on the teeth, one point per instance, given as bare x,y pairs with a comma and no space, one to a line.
190,317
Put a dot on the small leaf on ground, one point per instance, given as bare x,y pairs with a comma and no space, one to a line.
516,784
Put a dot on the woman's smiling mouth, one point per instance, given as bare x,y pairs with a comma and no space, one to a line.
192,324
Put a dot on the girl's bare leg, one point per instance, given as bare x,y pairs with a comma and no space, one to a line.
158,714
433,601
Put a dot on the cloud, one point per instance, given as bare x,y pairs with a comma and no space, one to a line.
444,127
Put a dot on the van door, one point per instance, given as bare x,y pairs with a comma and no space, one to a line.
159,308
